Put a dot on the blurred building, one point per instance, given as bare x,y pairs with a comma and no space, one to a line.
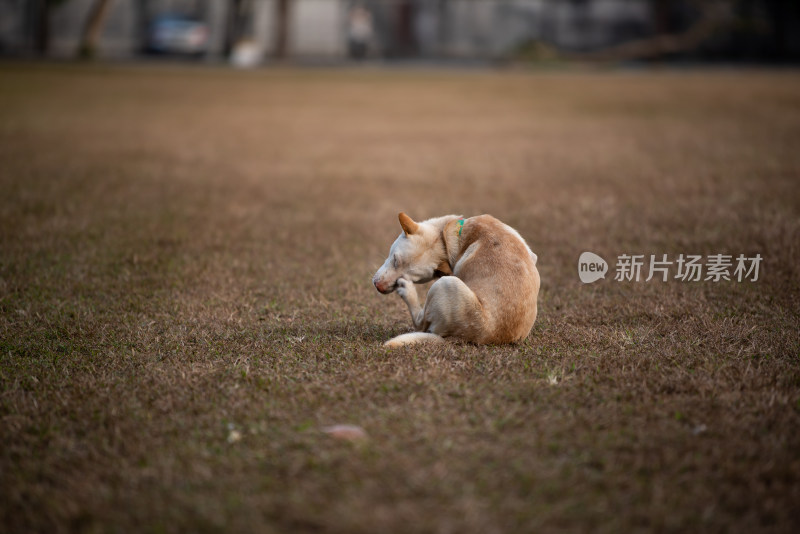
320,29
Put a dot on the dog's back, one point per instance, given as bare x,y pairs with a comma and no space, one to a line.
499,267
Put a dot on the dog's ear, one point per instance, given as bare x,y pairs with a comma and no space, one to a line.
409,226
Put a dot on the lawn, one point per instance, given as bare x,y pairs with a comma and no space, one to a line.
185,301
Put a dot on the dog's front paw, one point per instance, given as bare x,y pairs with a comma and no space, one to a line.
404,287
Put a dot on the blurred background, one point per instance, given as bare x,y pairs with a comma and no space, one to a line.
186,258
252,32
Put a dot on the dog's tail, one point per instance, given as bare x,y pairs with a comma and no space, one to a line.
411,338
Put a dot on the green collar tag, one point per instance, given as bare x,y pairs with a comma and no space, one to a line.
460,226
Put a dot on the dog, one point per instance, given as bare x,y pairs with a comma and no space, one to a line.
487,283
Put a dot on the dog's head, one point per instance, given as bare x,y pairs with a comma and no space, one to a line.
415,256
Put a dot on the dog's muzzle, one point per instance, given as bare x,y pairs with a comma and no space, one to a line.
383,287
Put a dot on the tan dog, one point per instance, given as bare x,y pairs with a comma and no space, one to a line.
488,282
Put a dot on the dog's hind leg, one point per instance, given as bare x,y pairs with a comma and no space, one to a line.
452,309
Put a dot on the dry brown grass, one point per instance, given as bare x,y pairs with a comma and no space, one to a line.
186,252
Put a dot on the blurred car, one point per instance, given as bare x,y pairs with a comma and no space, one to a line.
178,34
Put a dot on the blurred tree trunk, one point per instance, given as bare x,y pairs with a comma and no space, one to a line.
444,26
43,10
282,28
143,24
660,10
42,31
233,25
92,28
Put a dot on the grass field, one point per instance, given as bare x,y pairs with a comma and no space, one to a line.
185,301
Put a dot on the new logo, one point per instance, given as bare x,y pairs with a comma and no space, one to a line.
591,267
